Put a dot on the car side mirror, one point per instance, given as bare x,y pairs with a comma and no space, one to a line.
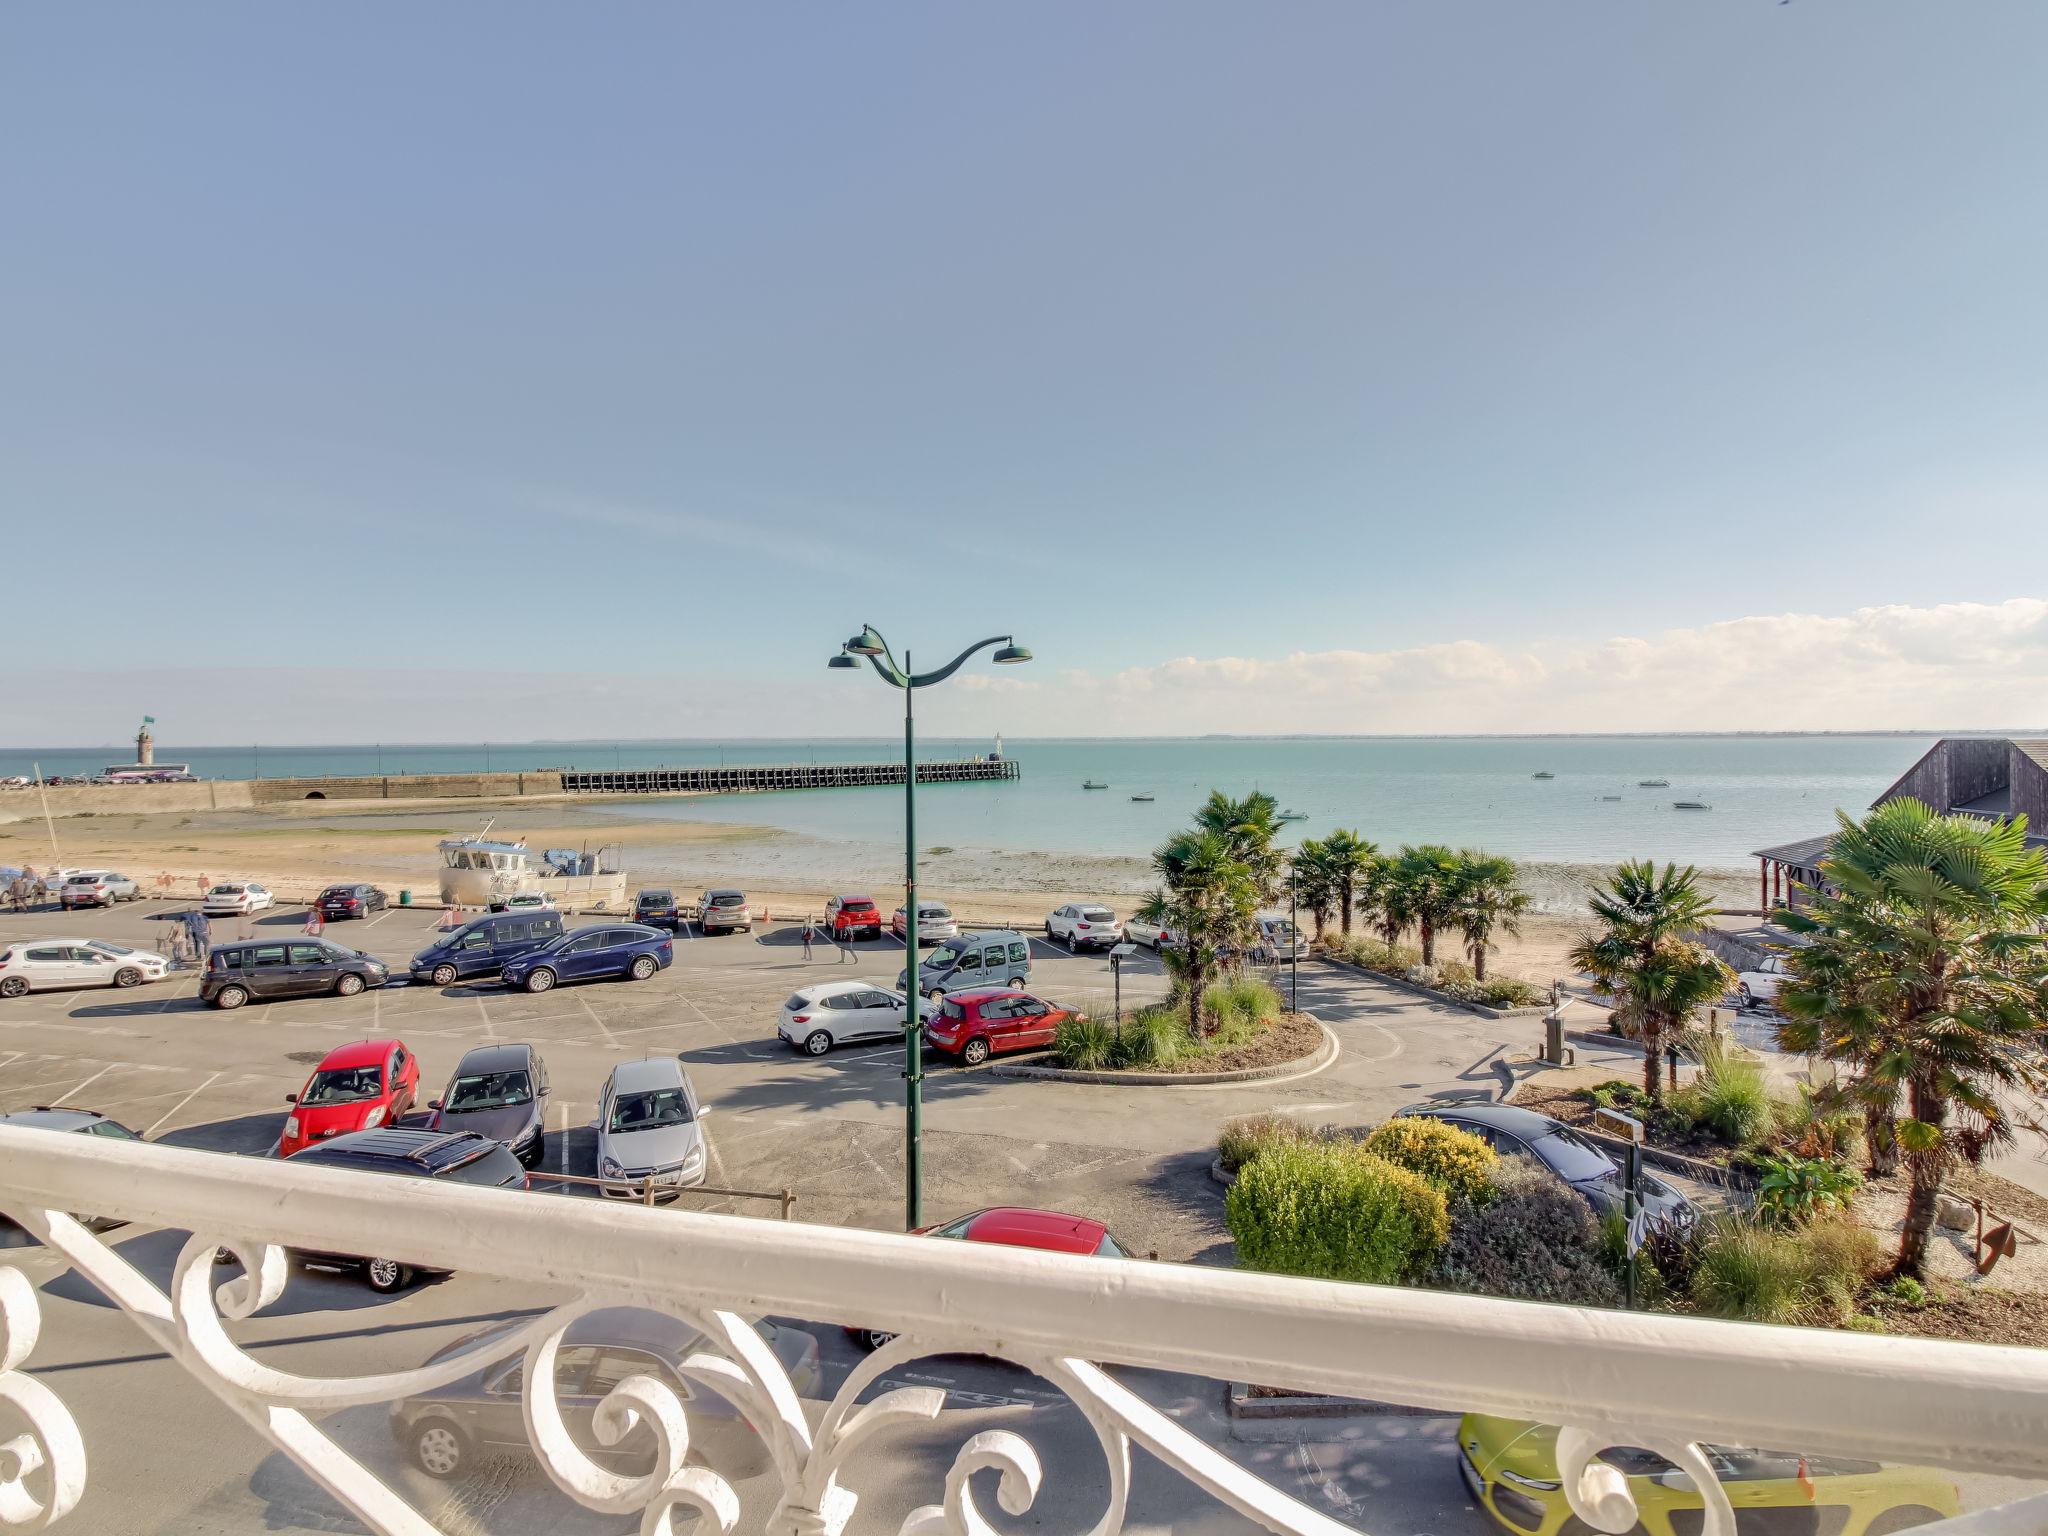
291,1098
433,1103
545,1091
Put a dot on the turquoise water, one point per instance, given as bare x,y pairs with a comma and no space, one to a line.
1462,791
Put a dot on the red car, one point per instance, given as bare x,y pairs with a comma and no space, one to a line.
854,917
1015,1227
976,1024
356,1088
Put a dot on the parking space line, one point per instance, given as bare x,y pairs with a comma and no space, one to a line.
373,922
600,1023
178,1106
103,1071
483,1013
11,1057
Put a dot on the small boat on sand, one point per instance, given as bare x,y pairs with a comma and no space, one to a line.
1690,805
1610,797
1543,774
1094,784
1291,816
1653,783
1142,799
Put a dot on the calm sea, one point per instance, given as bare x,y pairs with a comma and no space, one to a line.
1464,791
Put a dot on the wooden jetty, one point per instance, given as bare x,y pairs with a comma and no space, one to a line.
720,781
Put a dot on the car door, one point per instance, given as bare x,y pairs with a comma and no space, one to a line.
1037,1021
315,968
267,970
634,1454
402,1081
498,1417
473,954
875,1013
87,967
580,956
1020,961
257,897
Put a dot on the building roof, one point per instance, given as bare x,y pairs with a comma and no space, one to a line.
1806,853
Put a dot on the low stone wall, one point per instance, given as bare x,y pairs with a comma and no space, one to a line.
126,799
241,794
409,786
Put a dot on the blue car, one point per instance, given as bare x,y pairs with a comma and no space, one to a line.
582,954
480,947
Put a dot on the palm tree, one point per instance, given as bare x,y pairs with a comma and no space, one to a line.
1489,896
1928,972
1427,879
1640,956
1209,900
1351,860
1313,882
1250,827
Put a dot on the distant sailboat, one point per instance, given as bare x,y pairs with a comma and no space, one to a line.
1142,799
1690,805
1094,784
1610,797
1653,783
1291,816
1543,774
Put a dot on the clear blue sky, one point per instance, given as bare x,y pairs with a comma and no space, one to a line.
1146,330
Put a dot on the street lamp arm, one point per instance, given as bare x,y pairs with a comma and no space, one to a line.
926,679
890,674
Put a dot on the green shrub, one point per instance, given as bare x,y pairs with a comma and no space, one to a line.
1239,1009
1817,1127
1455,1161
1156,1037
1085,1044
1242,1140
1906,1292
1615,1094
1863,1322
1374,954
1533,1238
1332,1210
1730,1098
1791,1189
1814,1273
1509,992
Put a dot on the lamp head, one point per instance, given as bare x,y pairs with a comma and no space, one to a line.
1011,653
867,642
842,663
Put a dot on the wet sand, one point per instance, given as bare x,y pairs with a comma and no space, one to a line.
296,849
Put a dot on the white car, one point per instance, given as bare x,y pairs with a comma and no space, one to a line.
1759,988
97,888
1154,936
237,900
1082,924
934,921
833,1012
649,1130
39,965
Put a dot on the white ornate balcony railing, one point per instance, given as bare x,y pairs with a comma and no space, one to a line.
1665,1383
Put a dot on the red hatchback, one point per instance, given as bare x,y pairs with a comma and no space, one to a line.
356,1088
975,1025
854,916
1016,1227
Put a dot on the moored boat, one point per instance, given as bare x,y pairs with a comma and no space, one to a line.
477,871
1094,784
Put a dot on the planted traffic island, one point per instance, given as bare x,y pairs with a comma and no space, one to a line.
1247,1034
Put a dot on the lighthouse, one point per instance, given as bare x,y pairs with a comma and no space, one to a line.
145,747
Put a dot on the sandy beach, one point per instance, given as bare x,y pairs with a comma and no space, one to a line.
296,849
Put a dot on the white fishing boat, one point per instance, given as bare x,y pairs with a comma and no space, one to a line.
476,871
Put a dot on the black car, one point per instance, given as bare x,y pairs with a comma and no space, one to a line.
287,968
1580,1163
77,1122
658,909
463,1156
341,901
446,1432
498,1091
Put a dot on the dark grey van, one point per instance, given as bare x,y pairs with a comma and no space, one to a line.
482,946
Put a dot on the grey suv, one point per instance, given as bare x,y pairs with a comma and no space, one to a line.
724,910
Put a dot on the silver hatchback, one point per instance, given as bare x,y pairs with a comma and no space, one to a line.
650,1131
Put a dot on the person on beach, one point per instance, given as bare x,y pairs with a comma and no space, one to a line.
205,885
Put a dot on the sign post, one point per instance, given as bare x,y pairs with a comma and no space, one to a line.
1630,1129
1116,973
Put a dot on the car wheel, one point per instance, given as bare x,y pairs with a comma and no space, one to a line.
871,1338
13,986
1048,931
348,984
127,976
1073,945
936,996
444,976
1016,981
439,1448
974,1052
386,1276
1903,1517
230,997
817,1042
643,967
540,979
1742,991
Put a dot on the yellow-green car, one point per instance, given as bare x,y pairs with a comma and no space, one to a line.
1510,1469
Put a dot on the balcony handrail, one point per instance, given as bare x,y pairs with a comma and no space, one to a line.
1959,1406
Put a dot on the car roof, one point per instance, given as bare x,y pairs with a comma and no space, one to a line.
834,988
53,1117
648,1072
1005,934
724,890
1017,1227
657,890
984,994
496,1058
400,1149
1501,1117
55,938
847,900
358,1053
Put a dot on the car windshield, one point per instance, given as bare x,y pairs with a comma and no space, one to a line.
858,906
343,1085
946,954
336,890
1573,1158
656,899
109,949
727,899
225,890
797,1003
650,1111
1098,914
83,880
490,1090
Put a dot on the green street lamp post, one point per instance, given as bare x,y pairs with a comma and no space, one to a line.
870,644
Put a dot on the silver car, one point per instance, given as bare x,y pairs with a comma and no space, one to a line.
649,1130
97,888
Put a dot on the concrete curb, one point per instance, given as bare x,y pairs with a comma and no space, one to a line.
1222,1175
1403,984
1314,1061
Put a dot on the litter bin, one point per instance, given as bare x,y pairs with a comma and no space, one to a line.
405,898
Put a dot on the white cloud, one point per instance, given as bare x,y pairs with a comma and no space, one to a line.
1953,666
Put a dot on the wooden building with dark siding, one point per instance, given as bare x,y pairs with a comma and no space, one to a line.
1994,777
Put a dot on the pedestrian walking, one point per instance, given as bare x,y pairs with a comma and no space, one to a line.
316,921
204,884
807,938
